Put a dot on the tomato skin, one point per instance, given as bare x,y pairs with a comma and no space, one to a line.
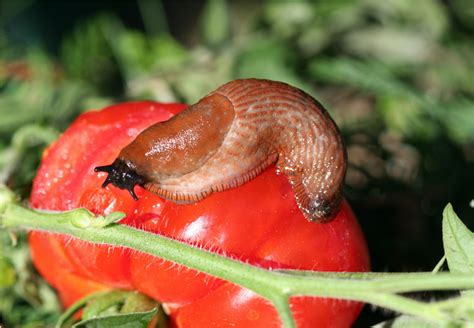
258,223
51,261
232,306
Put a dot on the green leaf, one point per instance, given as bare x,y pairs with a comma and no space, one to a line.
388,44
137,302
6,197
403,108
288,18
269,59
153,16
103,221
7,273
372,77
104,304
215,22
30,302
138,55
82,222
87,53
450,73
42,99
166,54
39,100
459,121
430,18
405,321
464,11
458,243
114,308
406,117
131,49
130,320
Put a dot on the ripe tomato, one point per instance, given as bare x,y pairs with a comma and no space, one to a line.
258,223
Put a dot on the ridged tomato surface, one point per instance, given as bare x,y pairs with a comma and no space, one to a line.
258,223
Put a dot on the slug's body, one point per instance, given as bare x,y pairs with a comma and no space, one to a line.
232,135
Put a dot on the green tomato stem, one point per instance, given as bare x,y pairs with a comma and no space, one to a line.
276,286
439,265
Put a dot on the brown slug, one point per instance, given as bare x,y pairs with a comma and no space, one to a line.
232,135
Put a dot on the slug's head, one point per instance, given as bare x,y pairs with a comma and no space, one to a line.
121,176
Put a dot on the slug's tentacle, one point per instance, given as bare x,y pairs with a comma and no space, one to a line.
233,134
120,175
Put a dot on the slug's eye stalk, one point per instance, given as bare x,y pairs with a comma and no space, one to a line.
121,176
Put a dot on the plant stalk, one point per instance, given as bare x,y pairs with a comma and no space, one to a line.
276,286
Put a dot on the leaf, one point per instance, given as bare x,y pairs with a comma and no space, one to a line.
464,11
86,53
6,197
138,56
430,18
30,302
166,54
339,16
459,121
391,45
450,73
135,302
7,273
313,39
406,117
371,77
269,59
39,100
104,304
403,108
458,243
215,22
103,221
405,321
82,222
288,18
115,308
130,320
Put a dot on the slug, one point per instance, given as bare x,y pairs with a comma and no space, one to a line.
229,137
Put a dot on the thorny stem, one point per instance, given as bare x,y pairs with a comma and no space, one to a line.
276,286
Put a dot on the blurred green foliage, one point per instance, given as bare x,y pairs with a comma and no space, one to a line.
397,76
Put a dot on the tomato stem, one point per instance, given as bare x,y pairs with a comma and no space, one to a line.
282,305
277,286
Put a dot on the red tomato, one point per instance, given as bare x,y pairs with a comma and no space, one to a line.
258,222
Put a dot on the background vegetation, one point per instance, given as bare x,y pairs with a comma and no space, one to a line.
397,76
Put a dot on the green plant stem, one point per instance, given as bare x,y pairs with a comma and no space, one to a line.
439,265
276,286
405,305
282,304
